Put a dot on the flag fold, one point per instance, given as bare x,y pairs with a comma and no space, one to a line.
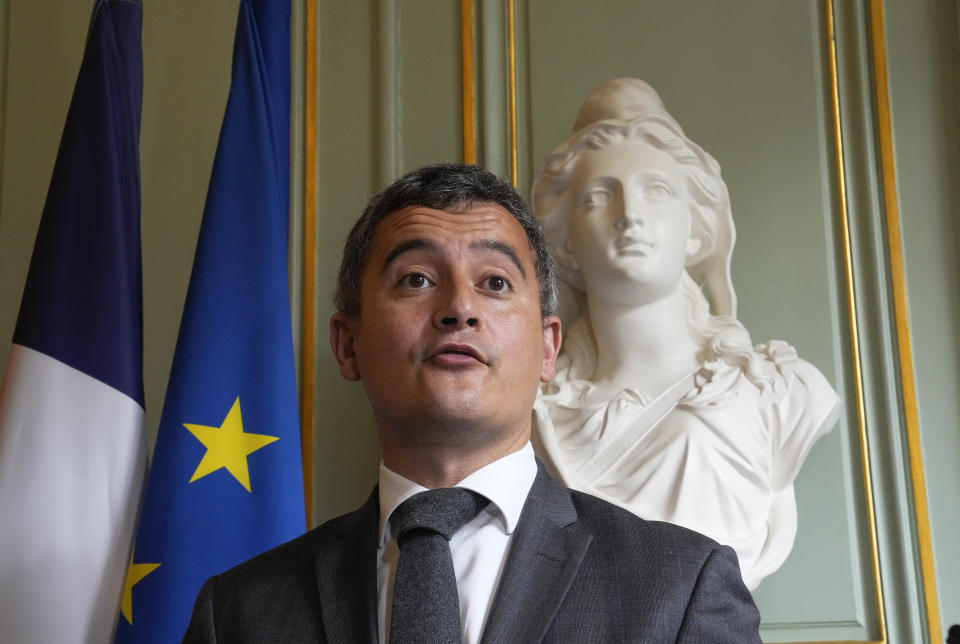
72,447
225,482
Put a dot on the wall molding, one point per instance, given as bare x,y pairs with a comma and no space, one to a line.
901,317
853,320
389,83
468,82
303,204
4,22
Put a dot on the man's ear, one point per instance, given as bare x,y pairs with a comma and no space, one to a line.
342,334
551,347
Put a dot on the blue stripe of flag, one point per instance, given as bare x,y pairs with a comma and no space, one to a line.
82,300
235,342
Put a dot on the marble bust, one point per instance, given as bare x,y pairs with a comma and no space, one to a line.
662,404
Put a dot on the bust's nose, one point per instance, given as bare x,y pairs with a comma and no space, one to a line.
632,211
629,219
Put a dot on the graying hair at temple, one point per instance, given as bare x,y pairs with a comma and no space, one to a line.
452,187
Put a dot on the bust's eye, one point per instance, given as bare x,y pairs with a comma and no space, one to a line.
415,280
657,191
597,197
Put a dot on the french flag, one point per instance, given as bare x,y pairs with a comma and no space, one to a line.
72,446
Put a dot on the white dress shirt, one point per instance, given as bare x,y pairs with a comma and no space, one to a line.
479,548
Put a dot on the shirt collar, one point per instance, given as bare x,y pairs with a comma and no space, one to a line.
506,482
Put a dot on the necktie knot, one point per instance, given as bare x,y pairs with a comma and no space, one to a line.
442,511
425,598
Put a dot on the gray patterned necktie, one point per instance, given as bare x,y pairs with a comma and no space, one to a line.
426,605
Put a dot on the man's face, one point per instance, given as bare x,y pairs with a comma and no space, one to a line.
450,344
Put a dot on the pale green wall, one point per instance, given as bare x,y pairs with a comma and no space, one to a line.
389,101
187,51
924,70
348,167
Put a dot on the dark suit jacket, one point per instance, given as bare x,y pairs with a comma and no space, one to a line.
579,570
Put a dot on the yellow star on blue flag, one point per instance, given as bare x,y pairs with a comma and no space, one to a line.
227,446
135,572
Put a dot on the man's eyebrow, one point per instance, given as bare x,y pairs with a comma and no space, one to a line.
503,248
407,246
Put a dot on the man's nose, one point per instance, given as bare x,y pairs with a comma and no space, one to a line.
457,308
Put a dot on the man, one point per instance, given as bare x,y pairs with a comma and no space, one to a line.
445,313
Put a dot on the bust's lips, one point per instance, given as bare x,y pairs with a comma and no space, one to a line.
456,354
627,245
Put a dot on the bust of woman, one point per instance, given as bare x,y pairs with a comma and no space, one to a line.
661,403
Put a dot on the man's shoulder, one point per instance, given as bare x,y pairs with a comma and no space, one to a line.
607,520
593,509
668,579
292,558
275,595
648,545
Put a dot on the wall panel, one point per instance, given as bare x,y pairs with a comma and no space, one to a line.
924,74
388,102
348,160
750,82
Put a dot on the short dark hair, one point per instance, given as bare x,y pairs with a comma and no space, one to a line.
452,187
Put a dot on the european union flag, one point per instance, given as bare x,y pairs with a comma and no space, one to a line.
225,482
72,446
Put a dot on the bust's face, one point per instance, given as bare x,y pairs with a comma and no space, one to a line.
630,223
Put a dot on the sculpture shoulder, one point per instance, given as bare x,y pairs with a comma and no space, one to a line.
774,369
783,357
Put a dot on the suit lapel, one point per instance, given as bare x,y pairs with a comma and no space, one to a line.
346,569
545,555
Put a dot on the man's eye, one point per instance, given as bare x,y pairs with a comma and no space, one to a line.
497,284
415,280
